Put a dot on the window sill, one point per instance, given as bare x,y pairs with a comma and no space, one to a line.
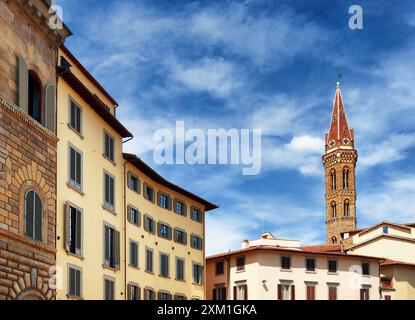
109,159
74,130
219,274
70,186
74,255
197,284
239,271
134,224
164,277
180,280
109,209
333,273
134,267
286,270
149,272
74,297
311,272
109,268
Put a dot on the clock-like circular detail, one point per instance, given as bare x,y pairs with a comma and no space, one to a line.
332,143
346,141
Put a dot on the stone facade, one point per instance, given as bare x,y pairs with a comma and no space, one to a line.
27,153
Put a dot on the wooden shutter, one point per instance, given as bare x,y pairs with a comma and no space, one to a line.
246,292
129,214
107,244
313,293
185,238
279,292
78,233
50,107
67,233
214,294
184,209
169,233
23,83
362,294
159,229
117,250
292,292
235,291
72,290
158,198
170,206
129,288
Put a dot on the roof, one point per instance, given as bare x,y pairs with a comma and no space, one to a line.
323,248
151,173
389,262
384,235
367,229
88,75
291,250
96,104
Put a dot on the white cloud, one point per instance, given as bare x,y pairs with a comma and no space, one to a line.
306,143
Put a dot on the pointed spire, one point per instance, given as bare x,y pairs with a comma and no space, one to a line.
339,135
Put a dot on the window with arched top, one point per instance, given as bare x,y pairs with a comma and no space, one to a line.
333,179
346,208
334,240
333,210
33,215
34,97
346,178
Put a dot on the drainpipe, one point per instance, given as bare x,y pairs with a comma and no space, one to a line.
228,277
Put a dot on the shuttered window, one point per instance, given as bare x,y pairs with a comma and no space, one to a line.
109,143
74,282
183,297
149,224
219,293
311,292
180,207
240,263
149,260
112,247
332,266
75,168
365,269
149,294
133,182
333,293
133,215
286,262
75,116
286,292
164,265
219,267
364,294
241,292
33,215
148,193
109,285
197,242
164,296
73,228
109,189
197,273
133,292
196,215
310,264
133,253
164,231
180,236
179,269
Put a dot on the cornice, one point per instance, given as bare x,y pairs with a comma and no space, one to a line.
26,242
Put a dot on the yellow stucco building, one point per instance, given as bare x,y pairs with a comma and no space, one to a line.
123,231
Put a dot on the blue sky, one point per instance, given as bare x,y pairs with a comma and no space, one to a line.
270,65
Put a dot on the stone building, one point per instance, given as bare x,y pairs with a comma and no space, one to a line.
28,51
339,162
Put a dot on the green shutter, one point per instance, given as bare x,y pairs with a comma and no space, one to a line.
50,107
78,241
23,82
117,250
67,217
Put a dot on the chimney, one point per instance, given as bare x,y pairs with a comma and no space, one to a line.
245,244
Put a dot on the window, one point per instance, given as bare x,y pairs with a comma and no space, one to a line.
219,293
75,116
73,241
75,168
133,254
310,264
197,273
219,267
33,215
197,215
180,208
180,297
65,63
364,294
180,236
164,201
164,296
332,292
365,269
109,189
197,242
149,260
346,208
133,215
149,224
109,143
311,292
35,97
333,180
133,182
240,263
149,294
346,178
164,231
133,292
385,230
286,291
112,247
333,240
179,269
74,282
286,262
109,289
148,193
333,210
164,265
387,297
332,266
240,292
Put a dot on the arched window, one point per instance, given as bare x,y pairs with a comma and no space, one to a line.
346,208
35,97
346,178
33,215
333,210
333,179
334,240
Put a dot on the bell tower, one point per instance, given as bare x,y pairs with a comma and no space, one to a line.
339,161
